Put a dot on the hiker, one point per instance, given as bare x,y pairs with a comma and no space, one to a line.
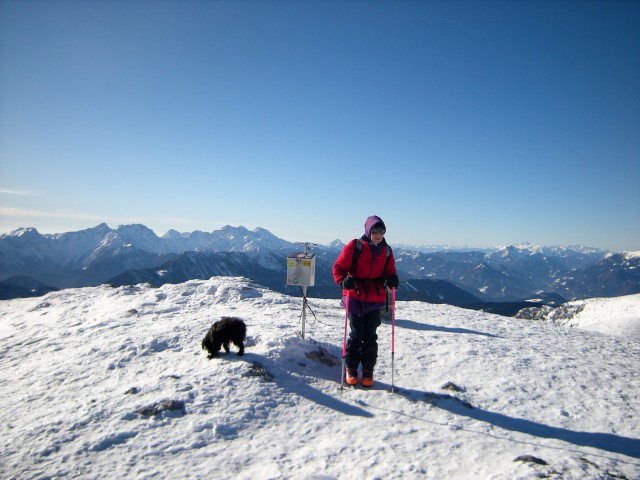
364,270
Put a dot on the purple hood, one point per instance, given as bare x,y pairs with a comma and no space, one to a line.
370,222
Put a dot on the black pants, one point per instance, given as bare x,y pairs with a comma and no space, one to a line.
362,345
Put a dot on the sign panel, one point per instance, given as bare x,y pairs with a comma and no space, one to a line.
301,269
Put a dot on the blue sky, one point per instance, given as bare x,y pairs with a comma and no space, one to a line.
458,122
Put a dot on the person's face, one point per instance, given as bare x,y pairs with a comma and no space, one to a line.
377,235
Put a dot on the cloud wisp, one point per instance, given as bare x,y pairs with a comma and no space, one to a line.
17,192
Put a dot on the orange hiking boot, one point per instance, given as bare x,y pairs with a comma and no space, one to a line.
351,376
367,378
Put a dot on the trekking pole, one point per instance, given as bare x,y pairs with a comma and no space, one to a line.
344,342
393,336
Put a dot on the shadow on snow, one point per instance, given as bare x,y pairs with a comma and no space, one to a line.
436,328
602,441
289,383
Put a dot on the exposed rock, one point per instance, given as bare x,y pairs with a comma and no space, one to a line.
176,406
257,370
530,459
452,387
323,356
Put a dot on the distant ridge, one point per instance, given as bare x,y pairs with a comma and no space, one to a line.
21,286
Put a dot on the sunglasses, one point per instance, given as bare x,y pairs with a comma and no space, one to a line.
378,231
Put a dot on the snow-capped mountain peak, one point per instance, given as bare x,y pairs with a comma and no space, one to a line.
337,244
24,232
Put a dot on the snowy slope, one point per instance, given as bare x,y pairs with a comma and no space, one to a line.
620,316
112,383
617,316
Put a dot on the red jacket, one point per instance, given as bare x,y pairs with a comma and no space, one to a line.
370,272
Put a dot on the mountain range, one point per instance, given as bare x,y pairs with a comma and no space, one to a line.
501,279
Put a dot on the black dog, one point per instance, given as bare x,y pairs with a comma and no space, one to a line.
225,330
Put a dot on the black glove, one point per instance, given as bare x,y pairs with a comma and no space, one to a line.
392,282
348,283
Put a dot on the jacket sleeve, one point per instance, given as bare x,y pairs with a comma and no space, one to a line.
343,263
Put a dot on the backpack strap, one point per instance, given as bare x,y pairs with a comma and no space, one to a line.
358,250
386,262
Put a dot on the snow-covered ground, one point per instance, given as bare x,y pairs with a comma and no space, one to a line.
112,383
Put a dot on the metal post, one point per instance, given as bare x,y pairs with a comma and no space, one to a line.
304,296
304,308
